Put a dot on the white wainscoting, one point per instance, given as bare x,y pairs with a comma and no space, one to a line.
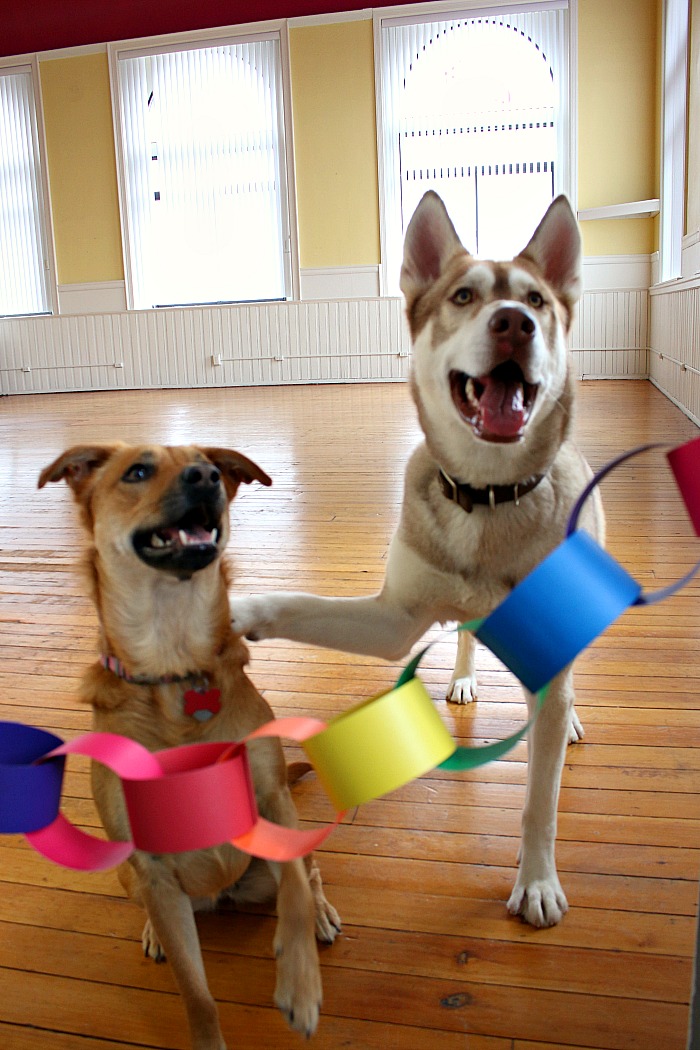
609,337
335,340
263,344
674,365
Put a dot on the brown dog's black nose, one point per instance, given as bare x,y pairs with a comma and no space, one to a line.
511,328
202,476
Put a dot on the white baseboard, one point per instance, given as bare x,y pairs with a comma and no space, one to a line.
603,273
96,297
340,282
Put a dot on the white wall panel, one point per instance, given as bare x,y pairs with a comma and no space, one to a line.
324,341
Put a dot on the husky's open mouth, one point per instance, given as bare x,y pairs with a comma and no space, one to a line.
497,406
184,546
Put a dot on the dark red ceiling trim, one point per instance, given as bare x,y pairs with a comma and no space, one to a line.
45,25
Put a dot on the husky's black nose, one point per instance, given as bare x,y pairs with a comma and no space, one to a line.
203,477
512,329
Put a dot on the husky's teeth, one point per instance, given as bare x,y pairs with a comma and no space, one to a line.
183,537
157,541
214,535
471,393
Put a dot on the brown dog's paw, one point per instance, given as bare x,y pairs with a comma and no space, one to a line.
152,948
299,992
328,924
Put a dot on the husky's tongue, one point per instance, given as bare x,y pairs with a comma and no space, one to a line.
502,406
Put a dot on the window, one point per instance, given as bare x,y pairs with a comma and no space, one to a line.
475,109
204,192
25,271
675,65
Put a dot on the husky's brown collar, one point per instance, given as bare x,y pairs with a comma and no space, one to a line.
467,496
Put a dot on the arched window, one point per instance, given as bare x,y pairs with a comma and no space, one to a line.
473,109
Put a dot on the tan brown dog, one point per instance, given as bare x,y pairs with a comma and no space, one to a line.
159,523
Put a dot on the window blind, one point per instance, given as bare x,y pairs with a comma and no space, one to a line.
204,187
23,253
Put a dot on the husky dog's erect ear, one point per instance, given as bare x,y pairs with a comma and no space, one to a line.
555,248
430,242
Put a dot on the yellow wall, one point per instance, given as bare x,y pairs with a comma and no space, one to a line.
82,169
618,124
332,71
335,143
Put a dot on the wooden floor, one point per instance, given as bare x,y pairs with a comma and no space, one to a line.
429,958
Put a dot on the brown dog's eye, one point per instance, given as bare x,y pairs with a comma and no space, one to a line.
462,296
139,472
535,299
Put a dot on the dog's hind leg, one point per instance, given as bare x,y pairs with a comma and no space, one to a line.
462,688
538,895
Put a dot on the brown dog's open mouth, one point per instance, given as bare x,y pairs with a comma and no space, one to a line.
497,406
183,547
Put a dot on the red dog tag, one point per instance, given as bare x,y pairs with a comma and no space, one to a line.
203,704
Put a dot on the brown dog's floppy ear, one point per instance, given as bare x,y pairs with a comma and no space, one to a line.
77,465
236,467
431,241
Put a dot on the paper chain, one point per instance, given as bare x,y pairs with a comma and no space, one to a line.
568,600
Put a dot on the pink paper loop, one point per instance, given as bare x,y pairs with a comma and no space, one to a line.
64,844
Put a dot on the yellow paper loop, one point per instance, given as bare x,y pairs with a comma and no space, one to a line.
379,745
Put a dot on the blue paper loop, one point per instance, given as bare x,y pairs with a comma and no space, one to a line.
30,794
556,611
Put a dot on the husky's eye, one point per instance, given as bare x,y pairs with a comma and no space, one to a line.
535,299
462,296
139,472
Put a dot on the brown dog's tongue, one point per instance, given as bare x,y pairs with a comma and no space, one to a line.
194,534
502,406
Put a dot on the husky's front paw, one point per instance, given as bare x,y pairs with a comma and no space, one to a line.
462,690
576,731
540,902
252,617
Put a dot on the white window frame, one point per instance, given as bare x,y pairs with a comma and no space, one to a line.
210,38
673,141
567,181
30,64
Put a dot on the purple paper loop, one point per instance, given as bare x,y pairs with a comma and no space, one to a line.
556,611
30,794
687,482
